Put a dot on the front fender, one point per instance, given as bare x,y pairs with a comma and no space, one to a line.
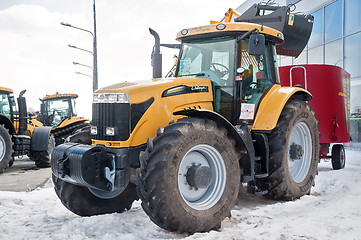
273,103
40,139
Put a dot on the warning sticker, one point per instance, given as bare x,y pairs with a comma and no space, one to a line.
291,19
247,111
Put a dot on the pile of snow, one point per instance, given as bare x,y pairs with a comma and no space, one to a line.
331,211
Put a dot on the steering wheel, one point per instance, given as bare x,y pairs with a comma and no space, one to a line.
250,88
219,72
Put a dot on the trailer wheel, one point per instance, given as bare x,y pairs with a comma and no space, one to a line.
82,202
5,148
189,176
42,158
338,156
294,152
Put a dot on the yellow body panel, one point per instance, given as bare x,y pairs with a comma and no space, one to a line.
272,105
160,113
72,120
233,27
4,89
32,124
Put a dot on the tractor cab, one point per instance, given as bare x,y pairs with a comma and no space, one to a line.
7,103
239,75
56,108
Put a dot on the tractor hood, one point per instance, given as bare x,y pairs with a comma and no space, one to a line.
158,88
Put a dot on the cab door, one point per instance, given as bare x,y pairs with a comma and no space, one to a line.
260,74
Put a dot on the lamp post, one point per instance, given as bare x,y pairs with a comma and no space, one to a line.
80,64
95,54
84,74
82,49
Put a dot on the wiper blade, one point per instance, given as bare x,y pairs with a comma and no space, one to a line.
193,74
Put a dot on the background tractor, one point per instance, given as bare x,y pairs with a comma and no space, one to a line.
20,135
59,112
185,144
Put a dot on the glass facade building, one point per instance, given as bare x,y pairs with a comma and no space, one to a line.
335,40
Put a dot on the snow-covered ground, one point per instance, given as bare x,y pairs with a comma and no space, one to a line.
332,211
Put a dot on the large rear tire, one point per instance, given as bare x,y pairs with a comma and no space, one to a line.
294,152
189,176
82,202
5,148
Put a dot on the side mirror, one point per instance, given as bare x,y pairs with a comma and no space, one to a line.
256,44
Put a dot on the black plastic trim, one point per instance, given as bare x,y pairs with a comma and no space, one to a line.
137,111
183,89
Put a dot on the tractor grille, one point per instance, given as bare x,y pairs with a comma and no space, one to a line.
114,115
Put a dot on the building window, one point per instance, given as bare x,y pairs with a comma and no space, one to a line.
352,55
333,21
355,123
315,55
301,59
352,16
317,29
286,61
333,53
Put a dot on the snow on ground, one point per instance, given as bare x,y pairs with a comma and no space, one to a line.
332,211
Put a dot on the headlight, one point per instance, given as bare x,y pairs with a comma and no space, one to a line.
110,131
111,98
93,130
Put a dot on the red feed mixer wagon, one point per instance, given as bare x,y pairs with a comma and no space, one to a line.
330,88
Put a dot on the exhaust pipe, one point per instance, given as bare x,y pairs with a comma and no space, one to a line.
156,56
23,114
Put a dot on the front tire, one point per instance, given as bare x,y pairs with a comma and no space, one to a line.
294,152
83,202
189,176
42,158
5,148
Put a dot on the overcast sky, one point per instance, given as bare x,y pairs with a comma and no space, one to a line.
34,53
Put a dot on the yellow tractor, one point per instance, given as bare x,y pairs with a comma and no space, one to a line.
185,144
59,112
21,135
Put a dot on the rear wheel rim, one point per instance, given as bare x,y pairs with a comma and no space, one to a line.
2,148
202,198
300,135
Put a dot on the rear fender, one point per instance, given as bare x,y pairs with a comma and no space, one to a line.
40,139
7,124
242,136
272,104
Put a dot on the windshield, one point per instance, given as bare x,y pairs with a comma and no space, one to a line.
59,109
5,107
210,58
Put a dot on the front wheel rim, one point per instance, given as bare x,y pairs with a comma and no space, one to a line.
301,136
202,198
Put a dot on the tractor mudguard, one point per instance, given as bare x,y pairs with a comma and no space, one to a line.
7,124
242,136
273,103
40,138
